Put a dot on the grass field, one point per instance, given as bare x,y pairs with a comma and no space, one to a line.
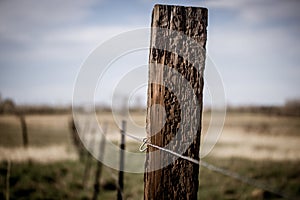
262,147
42,130
62,180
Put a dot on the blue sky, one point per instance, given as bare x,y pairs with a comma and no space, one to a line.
254,44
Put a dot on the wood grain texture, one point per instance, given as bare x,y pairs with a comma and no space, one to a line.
179,180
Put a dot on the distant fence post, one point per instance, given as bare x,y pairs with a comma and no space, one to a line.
89,158
7,191
178,180
99,164
122,149
76,140
24,130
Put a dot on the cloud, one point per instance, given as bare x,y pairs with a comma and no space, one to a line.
42,13
63,44
51,30
254,43
256,49
260,12
229,4
22,21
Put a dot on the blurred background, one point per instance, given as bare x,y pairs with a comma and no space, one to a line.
253,44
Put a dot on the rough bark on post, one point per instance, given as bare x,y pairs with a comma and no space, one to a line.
179,179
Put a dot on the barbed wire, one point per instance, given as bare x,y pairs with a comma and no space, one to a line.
234,175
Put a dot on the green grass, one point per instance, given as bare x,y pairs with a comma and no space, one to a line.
63,180
283,176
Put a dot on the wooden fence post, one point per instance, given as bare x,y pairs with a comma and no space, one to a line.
178,180
99,164
89,158
7,191
76,140
24,130
122,149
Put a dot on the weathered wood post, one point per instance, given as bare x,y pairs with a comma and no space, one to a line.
121,170
179,179
99,164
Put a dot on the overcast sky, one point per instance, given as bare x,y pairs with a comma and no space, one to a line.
254,44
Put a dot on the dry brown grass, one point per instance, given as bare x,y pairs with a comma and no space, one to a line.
245,135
